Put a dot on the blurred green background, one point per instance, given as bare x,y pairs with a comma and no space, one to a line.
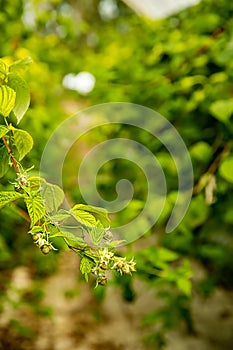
182,67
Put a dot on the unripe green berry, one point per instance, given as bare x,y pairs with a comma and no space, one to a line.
35,237
102,281
45,249
104,266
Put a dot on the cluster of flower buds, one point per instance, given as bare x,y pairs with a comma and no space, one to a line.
20,182
123,266
108,261
40,240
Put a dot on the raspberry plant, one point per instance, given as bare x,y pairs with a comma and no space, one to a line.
94,243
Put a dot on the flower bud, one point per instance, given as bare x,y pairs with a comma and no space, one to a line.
46,249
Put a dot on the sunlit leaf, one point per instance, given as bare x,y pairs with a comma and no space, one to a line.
100,214
23,142
3,130
7,100
83,217
86,266
222,109
36,208
3,70
185,285
22,95
52,196
7,197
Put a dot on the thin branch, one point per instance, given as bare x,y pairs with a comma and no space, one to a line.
14,162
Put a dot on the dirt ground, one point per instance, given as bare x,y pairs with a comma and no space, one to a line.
79,323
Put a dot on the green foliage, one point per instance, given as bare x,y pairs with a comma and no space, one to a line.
226,169
86,266
7,197
54,196
23,141
35,207
181,67
43,199
3,130
83,217
22,100
97,233
7,100
222,110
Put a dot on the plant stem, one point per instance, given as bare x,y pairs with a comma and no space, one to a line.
14,162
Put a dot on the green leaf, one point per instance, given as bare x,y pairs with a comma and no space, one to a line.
61,216
3,70
20,65
7,197
7,100
71,238
222,110
100,214
36,181
22,95
166,255
114,244
23,141
4,161
201,151
86,266
3,130
52,195
97,233
36,229
226,169
36,209
83,217
185,285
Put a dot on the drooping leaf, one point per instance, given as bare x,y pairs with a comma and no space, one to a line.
52,196
22,95
83,217
3,130
3,70
100,214
36,208
86,266
7,197
4,161
23,142
7,100
226,169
